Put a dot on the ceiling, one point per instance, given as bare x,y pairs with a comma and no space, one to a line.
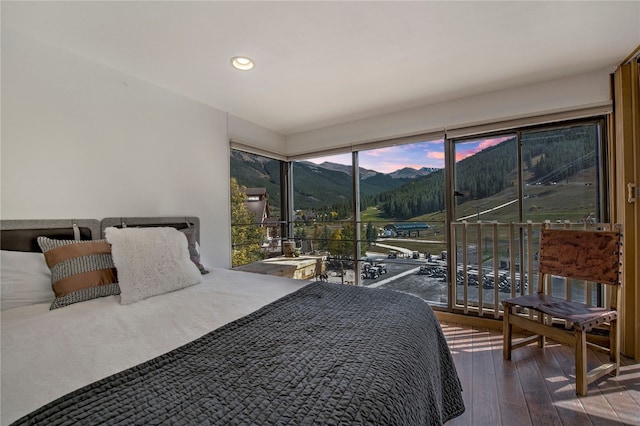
323,63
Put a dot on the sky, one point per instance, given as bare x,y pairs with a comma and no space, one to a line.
415,155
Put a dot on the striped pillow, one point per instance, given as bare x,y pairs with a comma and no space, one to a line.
80,270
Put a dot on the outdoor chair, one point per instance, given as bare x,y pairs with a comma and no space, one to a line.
594,256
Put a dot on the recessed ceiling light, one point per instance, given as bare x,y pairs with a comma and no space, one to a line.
242,63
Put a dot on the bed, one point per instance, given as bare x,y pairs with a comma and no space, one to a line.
234,348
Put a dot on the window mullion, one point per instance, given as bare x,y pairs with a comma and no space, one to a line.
356,215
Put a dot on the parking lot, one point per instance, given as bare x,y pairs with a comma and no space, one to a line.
401,274
404,274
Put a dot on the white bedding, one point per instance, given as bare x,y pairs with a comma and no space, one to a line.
46,354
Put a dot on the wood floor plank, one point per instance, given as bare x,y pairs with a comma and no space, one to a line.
511,388
515,414
618,391
459,340
561,386
486,409
513,404
534,387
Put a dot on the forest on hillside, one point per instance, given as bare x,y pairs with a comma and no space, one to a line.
550,156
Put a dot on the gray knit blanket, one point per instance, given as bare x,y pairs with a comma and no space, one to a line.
328,354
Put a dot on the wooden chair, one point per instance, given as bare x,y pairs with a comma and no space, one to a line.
587,255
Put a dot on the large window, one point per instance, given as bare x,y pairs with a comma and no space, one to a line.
387,225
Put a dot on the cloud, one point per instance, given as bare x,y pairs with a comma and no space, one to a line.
474,147
338,158
392,158
379,152
383,166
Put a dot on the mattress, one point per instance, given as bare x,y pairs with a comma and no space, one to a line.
46,354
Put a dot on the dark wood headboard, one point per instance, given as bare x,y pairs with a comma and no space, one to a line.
21,235
178,222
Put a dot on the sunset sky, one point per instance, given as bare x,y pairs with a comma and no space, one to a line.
416,155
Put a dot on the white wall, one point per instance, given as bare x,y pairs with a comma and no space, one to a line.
565,94
80,140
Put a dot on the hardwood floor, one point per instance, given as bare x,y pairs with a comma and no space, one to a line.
538,386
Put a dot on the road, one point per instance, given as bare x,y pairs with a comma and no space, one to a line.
492,209
398,249
408,239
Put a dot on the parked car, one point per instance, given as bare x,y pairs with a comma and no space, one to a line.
381,267
424,270
371,273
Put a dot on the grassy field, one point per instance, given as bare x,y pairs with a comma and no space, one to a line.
570,200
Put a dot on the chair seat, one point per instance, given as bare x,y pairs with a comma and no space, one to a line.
582,317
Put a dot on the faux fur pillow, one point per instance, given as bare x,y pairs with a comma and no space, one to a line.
150,261
80,270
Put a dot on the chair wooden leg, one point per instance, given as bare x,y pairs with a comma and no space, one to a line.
507,330
581,362
542,341
614,350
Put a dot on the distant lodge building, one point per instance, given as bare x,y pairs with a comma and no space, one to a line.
258,204
405,229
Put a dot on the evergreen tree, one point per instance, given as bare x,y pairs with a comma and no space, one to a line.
246,236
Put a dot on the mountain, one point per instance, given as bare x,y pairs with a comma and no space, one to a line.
320,187
254,171
364,173
317,186
411,173
404,173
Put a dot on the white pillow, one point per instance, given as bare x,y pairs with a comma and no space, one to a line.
150,261
25,279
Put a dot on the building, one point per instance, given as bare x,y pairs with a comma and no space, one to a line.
405,229
258,204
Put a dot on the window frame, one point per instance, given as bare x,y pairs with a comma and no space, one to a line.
516,127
